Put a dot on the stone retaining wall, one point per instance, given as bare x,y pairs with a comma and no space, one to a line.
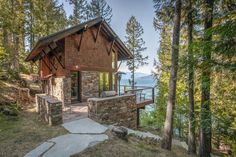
49,109
118,110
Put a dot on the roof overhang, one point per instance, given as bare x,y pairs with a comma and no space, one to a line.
123,52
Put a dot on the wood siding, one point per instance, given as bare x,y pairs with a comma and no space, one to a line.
92,56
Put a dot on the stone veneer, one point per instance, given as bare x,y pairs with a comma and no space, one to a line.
119,110
49,109
89,85
61,89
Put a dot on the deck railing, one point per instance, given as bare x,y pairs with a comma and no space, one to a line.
144,94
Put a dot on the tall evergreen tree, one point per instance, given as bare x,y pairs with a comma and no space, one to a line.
191,132
100,8
168,128
80,11
205,123
135,44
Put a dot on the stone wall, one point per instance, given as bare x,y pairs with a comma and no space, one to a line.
49,109
61,89
119,110
89,85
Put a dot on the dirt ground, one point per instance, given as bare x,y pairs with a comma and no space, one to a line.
133,147
19,135
22,133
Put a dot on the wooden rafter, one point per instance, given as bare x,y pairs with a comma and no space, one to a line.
46,64
112,44
58,60
119,65
98,31
49,60
85,28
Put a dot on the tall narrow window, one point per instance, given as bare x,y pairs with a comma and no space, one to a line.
113,81
103,81
113,59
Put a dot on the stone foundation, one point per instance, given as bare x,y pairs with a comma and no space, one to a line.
49,109
89,85
61,89
118,110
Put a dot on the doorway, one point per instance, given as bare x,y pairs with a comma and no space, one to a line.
76,86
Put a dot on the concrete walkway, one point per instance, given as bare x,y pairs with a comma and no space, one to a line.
84,126
83,134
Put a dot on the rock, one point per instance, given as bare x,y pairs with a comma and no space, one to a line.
108,94
121,132
9,112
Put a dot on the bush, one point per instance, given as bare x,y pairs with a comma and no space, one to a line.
13,75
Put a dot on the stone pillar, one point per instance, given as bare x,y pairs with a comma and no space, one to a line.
61,89
49,109
89,85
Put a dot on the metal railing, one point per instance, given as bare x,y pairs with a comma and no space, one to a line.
143,93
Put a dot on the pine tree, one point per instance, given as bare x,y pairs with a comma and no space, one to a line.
168,128
205,123
80,11
135,44
100,8
191,132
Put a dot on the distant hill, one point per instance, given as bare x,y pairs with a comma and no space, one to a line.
136,75
148,77
141,79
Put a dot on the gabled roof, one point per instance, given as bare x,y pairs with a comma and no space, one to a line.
125,53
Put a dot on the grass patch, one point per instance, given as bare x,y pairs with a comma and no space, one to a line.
132,148
19,135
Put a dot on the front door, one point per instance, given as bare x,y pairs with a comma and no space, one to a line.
75,87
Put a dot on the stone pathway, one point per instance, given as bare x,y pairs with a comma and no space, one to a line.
84,133
75,112
84,126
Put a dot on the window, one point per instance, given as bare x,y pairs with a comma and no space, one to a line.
113,60
104,81
113,81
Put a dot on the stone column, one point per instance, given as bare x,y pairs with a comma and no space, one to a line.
61,89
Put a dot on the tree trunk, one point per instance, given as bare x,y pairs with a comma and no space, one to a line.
191,132
133,73
168,128
15,61
205,122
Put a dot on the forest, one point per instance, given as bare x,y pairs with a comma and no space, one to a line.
195,65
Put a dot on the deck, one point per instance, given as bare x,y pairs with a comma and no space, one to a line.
144,95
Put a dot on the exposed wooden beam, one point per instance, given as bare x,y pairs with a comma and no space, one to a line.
113,41
49,60
119,65
46,64
56,57
98,31
82,34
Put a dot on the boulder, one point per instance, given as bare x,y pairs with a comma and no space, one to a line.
120,132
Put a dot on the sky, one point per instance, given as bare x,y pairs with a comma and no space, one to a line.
122,10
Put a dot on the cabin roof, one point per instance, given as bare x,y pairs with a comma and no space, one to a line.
123,50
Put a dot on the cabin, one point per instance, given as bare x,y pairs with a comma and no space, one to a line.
81,62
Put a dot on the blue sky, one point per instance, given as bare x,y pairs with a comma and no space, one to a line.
144,12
